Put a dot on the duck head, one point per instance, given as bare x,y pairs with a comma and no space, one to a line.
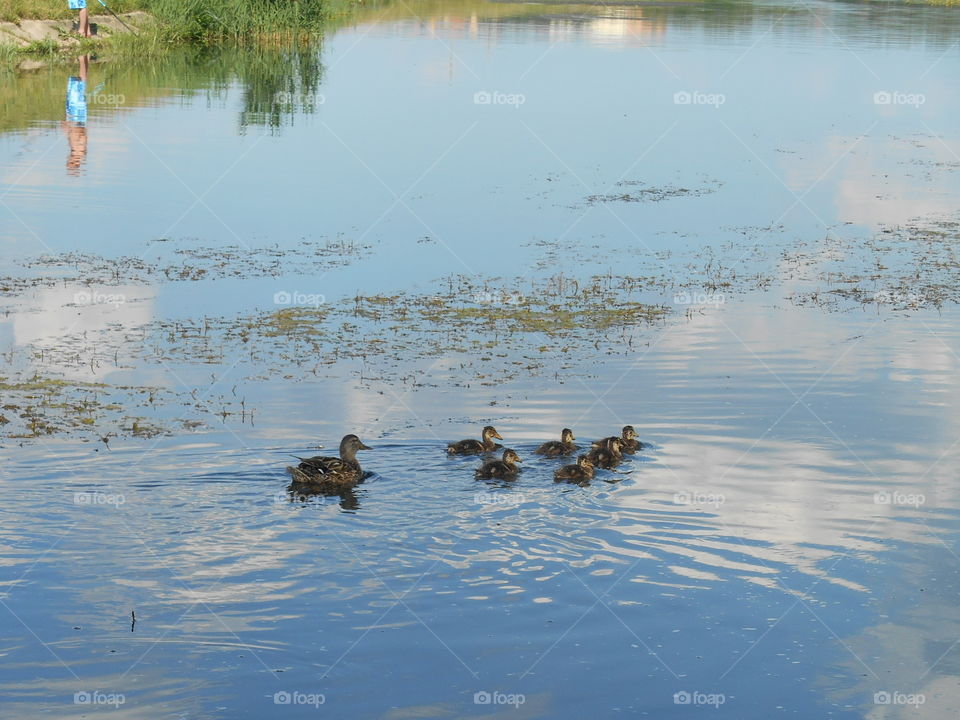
350,445
510,457
629,433
490,432
584,462
566,437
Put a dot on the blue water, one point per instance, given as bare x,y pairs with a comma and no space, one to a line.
786,545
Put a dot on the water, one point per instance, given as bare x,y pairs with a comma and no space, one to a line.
787,543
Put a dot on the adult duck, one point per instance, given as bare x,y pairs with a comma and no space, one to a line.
330,474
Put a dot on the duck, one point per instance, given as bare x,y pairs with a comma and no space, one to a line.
503,468
628,440
475,447
581,472
330,474
606,453
555,448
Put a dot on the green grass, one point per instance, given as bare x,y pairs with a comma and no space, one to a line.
14,10
196,20
44,48
205,21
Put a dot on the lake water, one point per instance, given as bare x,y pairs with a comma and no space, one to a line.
731,225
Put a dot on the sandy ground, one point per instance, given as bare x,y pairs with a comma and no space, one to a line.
29,31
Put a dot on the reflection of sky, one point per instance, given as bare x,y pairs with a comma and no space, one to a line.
404,108
798,492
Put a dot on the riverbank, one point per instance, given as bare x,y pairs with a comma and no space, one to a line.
49,36
35,32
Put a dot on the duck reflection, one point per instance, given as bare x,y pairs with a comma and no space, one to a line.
75,124
348,499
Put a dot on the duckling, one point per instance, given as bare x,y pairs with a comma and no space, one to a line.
555,448
582,472
505,468
606,453
475,447
628,440
330,474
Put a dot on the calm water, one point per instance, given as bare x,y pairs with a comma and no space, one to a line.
786,546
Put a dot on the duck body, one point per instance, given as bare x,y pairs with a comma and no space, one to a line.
476,447
330,474
506,467
558,448
581,473
605,453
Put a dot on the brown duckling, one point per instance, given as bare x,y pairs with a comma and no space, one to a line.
556,448
330,474
580,473
606,453
504,468
475,447
628,440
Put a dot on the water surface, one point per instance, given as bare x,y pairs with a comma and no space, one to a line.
785,545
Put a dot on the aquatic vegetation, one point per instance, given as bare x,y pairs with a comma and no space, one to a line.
190,264
634,191
903,268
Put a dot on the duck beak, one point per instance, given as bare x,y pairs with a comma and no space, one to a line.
364,447
519,460
497,435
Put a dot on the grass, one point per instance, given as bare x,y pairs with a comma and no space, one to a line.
206,21
198,20
180,22
14,10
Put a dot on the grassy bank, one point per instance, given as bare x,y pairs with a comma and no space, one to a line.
196,22
194,19
14,10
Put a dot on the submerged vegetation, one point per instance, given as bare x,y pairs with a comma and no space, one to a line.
461,331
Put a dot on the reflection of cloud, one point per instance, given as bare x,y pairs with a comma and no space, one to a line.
791,499
884,181
60,313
